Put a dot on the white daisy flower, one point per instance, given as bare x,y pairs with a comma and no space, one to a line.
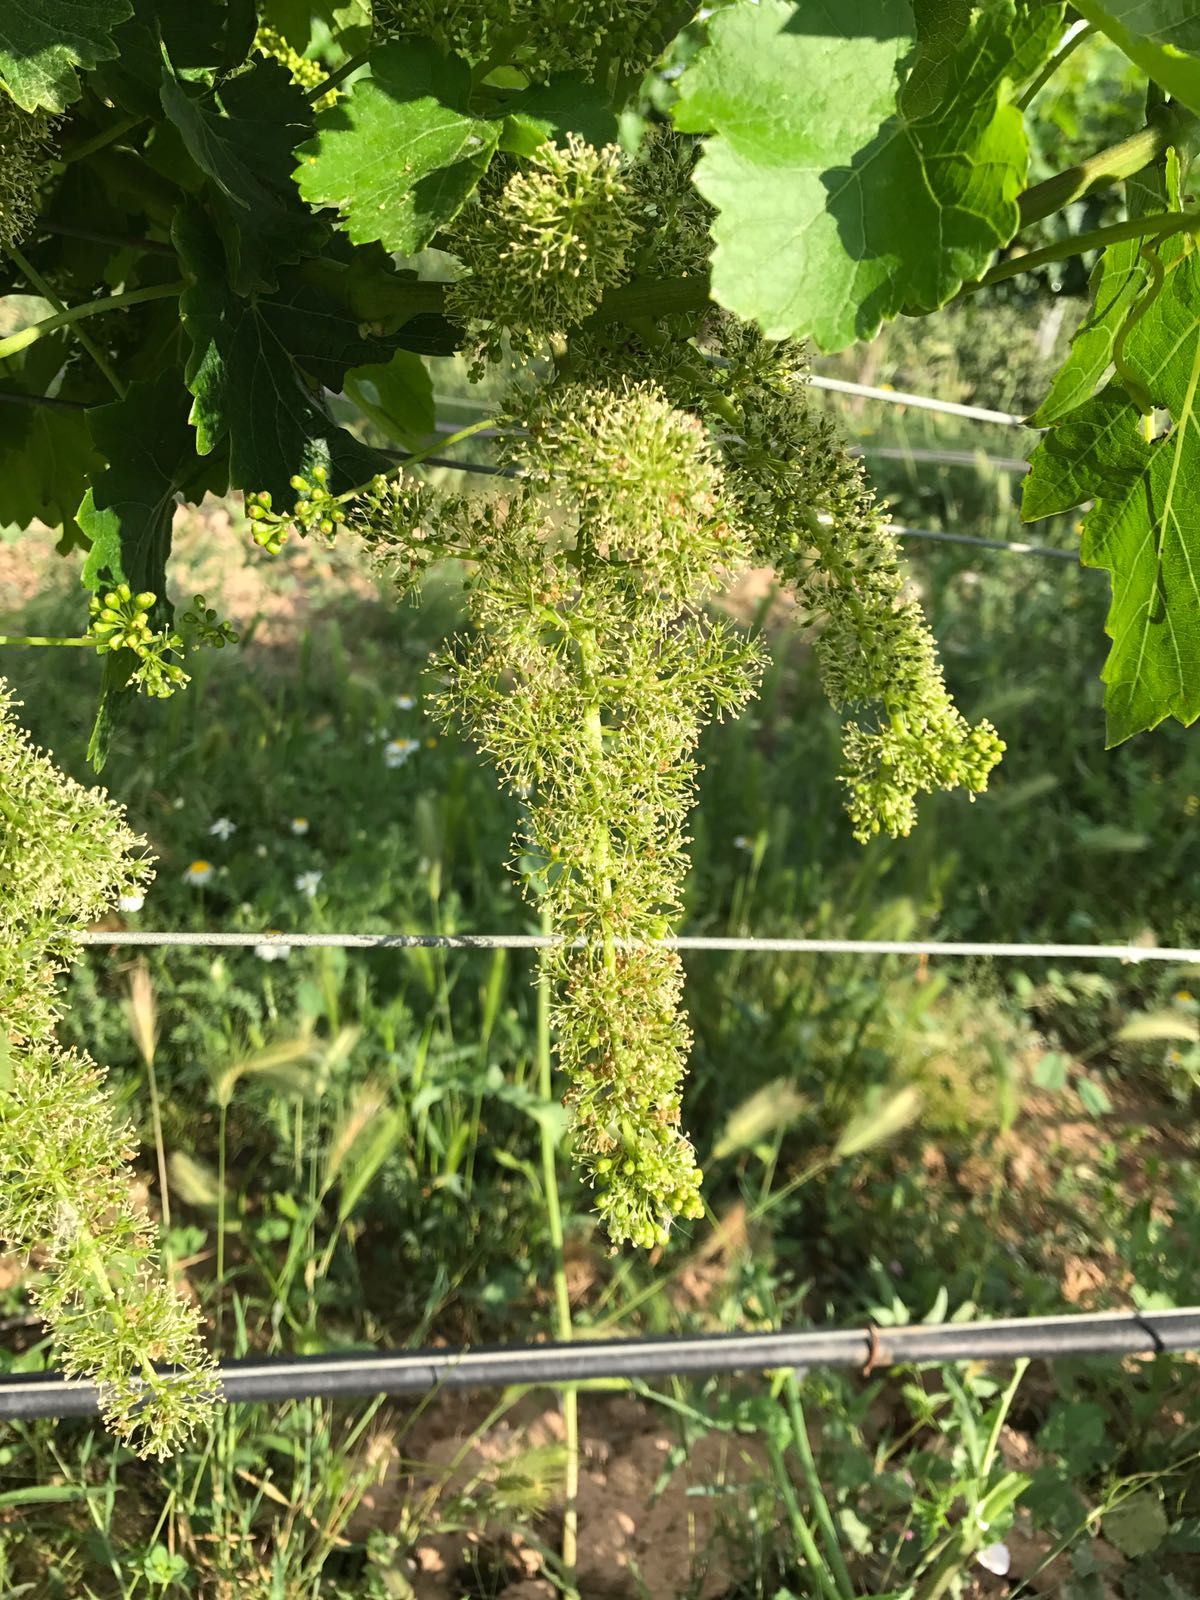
404,702
308,882
995,1558
199,872
223,829
131,902
397,751
273,952
299,826
260,850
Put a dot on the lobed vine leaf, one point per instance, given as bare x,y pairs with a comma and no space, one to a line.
248,387
1160,36
565,103
398,398
298,21
200,38
46,452
1145,526
242,136
399,154
44,43
128,510
840,207
1118,281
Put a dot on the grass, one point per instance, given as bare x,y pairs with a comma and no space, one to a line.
363,1147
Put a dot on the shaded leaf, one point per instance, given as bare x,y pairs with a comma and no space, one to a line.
837,207
397,396
128,509
1160,36
248,388
565,103
321,334
1145,526
46,462
1117,282
242,136
1138,1525
295,20
199,37
42,44
399,155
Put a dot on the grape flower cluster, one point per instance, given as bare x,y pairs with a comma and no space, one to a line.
64,1176
598,39
25,150
540,243
120,620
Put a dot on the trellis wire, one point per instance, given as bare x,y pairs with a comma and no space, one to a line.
922,453
892,397
1009,546
277,1378
1176,955
922,402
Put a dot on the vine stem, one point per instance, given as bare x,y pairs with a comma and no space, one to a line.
339,75
564,1328
45,402
1169,126
90,308
1070,42
1160,225
47,293
439,445
44,639
98,141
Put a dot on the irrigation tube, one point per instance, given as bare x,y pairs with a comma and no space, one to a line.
537,941
279,1378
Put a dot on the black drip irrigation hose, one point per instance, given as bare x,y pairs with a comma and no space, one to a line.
279,1378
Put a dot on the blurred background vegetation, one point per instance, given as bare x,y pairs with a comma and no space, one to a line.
343,1148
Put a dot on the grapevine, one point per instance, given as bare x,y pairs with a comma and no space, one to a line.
629,216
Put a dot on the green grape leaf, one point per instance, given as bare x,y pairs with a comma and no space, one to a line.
321,334
399,155
1118,280
248,387
1144,528
46,453
299,20
200,38
565,103
128,511
940,25
1160,36
43,42
398,398
838,208
1138,1525
46,461
242,136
